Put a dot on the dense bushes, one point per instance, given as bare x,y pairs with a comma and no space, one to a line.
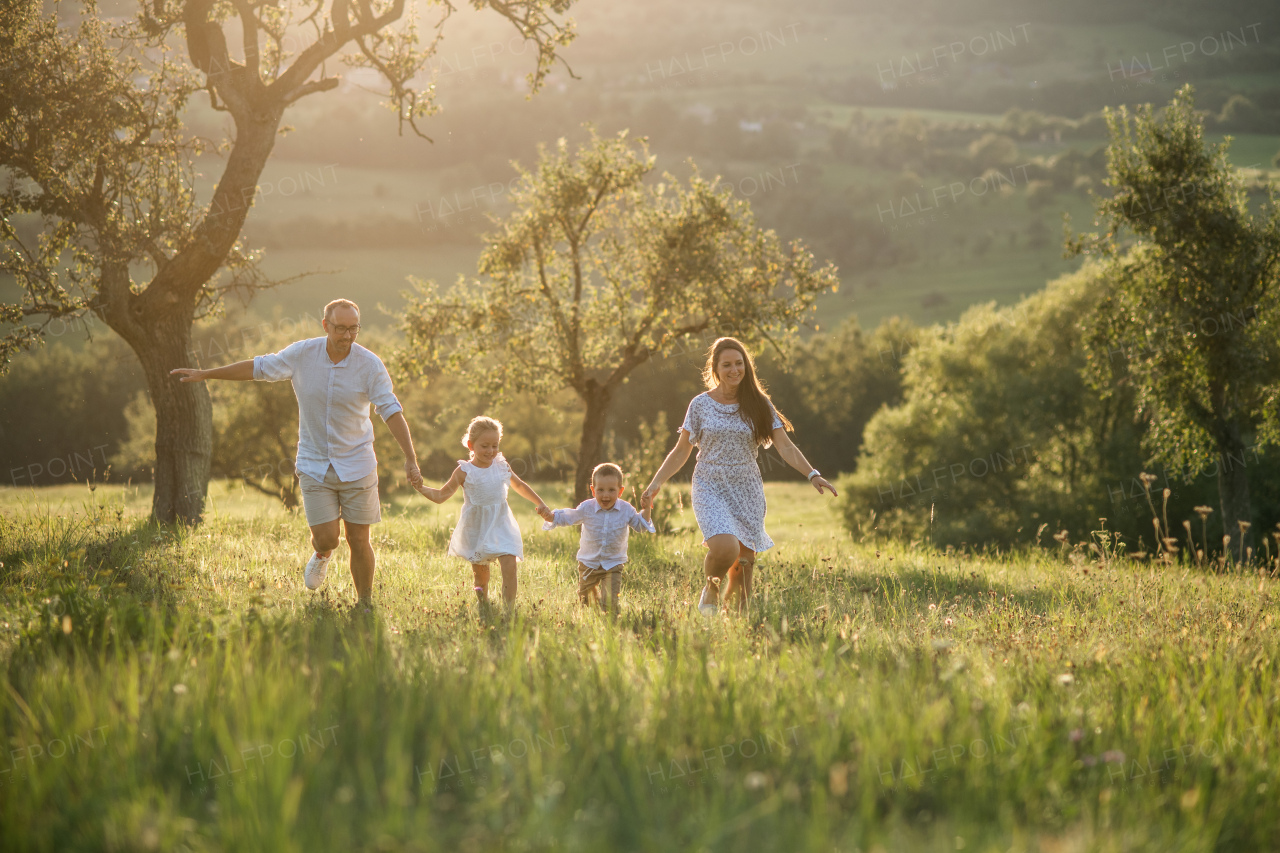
63,414
834,384
1000,440
997,434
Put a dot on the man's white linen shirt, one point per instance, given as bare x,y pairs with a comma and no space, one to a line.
604,531
333,405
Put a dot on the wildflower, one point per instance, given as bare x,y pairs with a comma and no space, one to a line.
933,607
1066,678
1113,755
1203,511
1076,735
948,622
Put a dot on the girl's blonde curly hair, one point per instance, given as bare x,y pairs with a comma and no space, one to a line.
478,427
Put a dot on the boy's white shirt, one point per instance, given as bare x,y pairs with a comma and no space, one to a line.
603,544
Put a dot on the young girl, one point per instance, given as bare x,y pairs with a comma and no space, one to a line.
486,528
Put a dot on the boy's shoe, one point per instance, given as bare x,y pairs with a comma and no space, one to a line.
315,571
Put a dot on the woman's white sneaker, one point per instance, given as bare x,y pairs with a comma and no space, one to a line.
314,574
707,605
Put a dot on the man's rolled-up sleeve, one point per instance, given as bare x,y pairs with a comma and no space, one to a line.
384,400
276,367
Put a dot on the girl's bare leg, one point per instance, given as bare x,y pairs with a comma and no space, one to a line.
722,551
481,571
739,578
507,562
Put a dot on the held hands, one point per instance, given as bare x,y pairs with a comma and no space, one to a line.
545,512
819,482
413,474
188,374
646,498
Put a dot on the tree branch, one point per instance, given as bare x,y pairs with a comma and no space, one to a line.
322,85
249,38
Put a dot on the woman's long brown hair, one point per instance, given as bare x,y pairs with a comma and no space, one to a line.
754,405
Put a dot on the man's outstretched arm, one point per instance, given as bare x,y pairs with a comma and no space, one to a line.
400,429
241,370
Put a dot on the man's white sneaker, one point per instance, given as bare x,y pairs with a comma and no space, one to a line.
314,574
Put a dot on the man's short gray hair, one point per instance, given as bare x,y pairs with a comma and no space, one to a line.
340,303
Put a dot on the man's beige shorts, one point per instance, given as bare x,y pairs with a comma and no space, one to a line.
356,502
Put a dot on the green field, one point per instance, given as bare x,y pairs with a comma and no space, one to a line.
179,689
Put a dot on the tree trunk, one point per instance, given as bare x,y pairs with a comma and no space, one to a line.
1233,487
591,449
184,422
156,322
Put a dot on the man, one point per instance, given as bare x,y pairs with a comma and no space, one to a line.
335,380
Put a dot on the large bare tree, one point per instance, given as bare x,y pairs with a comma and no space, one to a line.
99,205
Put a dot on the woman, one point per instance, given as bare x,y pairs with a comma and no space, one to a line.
729,423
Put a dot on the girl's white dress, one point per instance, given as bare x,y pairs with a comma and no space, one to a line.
486,529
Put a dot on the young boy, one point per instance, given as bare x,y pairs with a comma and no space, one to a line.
606,522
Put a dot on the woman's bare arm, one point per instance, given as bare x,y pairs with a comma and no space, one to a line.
793,457
674,462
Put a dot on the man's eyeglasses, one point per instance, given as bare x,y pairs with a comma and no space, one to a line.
340,331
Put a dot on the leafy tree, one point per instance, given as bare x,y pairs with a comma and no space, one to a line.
596,271
644,456
255,435
62,417
835,381
1190,321
99,208
997,433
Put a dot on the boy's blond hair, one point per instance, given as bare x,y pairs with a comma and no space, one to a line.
607,469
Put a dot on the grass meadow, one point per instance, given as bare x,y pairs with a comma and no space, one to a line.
179,689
